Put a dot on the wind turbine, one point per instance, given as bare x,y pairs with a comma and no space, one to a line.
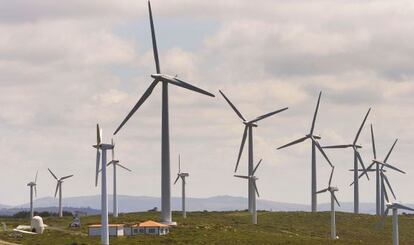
332,190
315,145
357,158
32,185
115,163
381,178
165,138
252,178
59,188
182,176
104,197
395,206
248,129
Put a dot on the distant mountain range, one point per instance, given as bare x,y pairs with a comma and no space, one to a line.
91,204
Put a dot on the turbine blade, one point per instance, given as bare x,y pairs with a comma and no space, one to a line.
241,176
138,104
389,153
254,170
360,128
57,188
385,190
180,83
154,41
336,200
384,216
176,179
179,163
255,188
322,152
361,162
391,167
322,191
54,176
98,156
388,184
36,176
267,115
330,177
232,106
315,114
113,149
98,135
66,177
400,206
363,173
294,142
35,189
127,169
241,147
373,142
336,146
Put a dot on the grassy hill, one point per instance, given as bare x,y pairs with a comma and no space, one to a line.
229,228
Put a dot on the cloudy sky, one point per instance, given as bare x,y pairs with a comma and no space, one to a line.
64,66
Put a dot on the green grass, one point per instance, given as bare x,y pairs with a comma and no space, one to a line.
230,228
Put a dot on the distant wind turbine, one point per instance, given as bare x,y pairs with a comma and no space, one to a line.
357,158
248,130
115,163
104,195
394,206
315,145
32,185
59,188
253,179
182,176
332,191
165,136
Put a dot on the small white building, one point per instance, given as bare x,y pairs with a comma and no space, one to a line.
114,230
147,227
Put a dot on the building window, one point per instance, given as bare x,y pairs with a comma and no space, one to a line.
142,230
152,230
135,230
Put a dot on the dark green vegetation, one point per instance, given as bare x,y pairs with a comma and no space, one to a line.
229,228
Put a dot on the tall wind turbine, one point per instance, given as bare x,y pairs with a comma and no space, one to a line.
165,136
381,178
248,129
115,163
357,158
332,191
252,178
182,176
315,145
395,207
32,185
59,188
102,147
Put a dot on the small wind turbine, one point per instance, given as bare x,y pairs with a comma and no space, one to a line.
104,197
165,135
59,188
382,179
248,129
357,158
394,206
332,190
315,144
115,163
253,179
32,185
182,176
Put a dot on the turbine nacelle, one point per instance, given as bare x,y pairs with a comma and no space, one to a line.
249,124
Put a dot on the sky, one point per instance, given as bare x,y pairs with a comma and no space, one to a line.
65,66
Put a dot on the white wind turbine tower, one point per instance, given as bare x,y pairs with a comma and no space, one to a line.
115,163
315,144
104,197
248,130
332,191
32,185
381,178
357,158
394,206
165,135
182,176
59,188
252,178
